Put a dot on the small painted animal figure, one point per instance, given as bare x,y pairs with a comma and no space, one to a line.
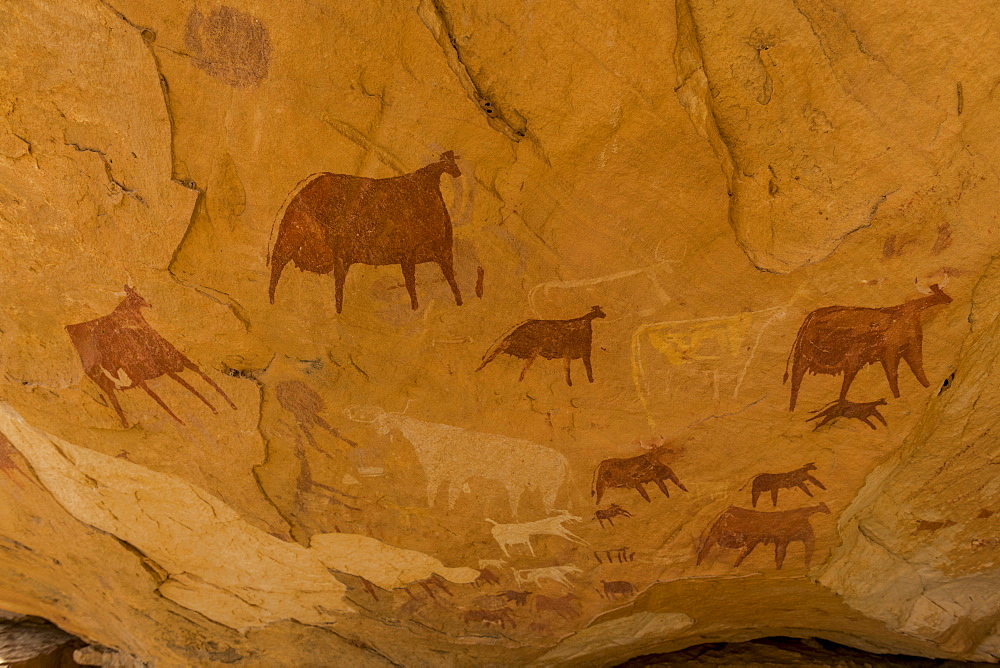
567,606
552,339
555,573
635,472
849,409
520,534
486,576
500,617
305,405
772,482
120,351
618,589
744,529
839,340
518,597
614,510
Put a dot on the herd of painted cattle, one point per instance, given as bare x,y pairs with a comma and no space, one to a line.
331,222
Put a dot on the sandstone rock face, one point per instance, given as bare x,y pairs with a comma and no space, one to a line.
457,332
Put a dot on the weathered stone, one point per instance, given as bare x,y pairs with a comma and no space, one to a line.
674,196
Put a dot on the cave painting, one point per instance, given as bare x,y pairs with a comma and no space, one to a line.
305,405
502,600
622,554
681,353
552,339
744,529
608,514
507,535
121,351
228,44
617,589
772,482
334,221
849,409
557,574
844,339
634,472
453,456
566,606
501,617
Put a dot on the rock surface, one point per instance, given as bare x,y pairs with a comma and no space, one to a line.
198,472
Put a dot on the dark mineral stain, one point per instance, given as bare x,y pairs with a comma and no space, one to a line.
229,44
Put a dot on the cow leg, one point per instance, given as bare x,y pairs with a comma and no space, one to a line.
705,547
642,490
809,544
340,270
798,373
599,487
680,485
850,371
805,489
878,416
157,399
107,386
588,367
410,279
569,381
183,383
448,269
746,552
774,496
780,550
914,358
194,367
867,422
816,482
663,487
527,365
826,420
891,366
754,495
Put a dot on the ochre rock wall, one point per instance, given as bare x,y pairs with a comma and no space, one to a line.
195,473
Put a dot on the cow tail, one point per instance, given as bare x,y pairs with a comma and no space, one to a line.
796,346
499,346
271,241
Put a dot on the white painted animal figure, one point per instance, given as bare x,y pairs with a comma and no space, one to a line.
492,563
507,535
453,456
536,575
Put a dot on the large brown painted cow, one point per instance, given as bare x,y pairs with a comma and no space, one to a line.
845,339
336,220
744,529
